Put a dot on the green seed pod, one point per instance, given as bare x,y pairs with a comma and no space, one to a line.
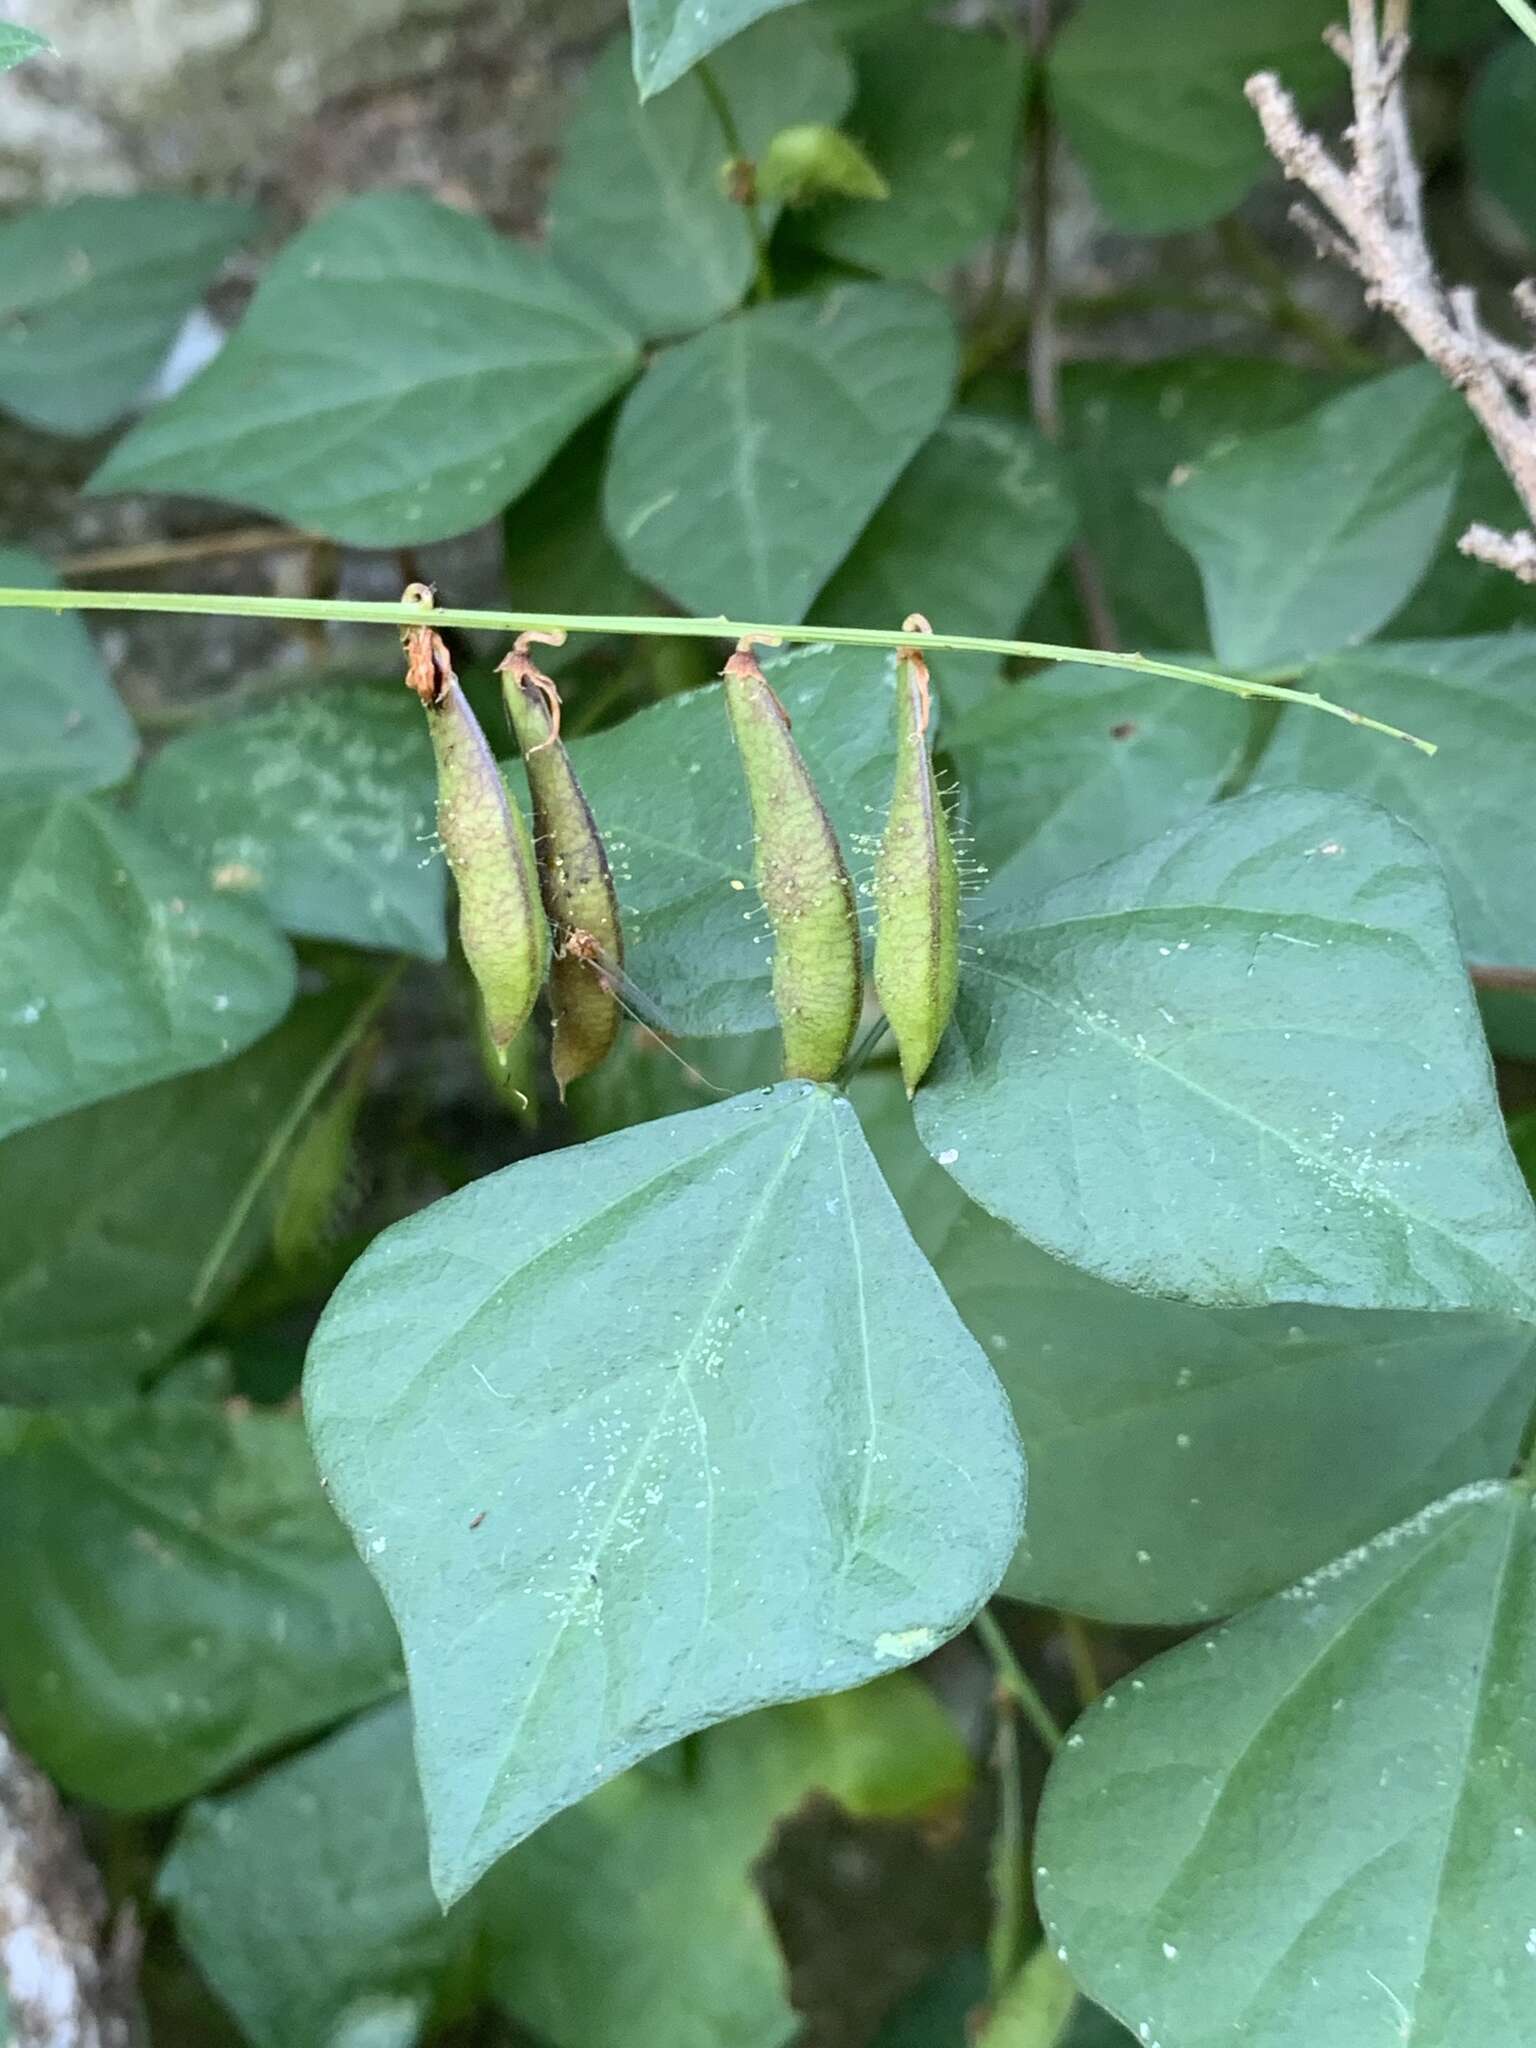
917,885
818,977
501,920
811,162
574,876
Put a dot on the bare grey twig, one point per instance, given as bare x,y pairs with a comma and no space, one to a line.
1375,225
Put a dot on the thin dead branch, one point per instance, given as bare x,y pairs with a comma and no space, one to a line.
1375,224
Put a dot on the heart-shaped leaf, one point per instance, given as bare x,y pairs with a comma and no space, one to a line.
178,1597
607,1511
670,36
65,726
1476,697
639,210
132,1219
1151,99
118,968
402,373
1242,1064
747,460
92,294
666,788
1074,766
1140,1417
322,805
1333,1803
1310,537
938,110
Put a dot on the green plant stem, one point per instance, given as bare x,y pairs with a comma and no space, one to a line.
1085,1671
1007,1937
1522,15
358,612
1016,1698
1014,1681
762,288
287,1130
1044,357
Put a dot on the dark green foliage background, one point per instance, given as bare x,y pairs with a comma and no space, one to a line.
649,1438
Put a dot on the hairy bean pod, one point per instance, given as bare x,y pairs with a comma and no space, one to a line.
501,920
802,879
575,877
917,884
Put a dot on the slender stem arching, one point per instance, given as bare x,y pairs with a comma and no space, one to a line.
1016,1699
1522,14
1013,1679
1085,1670
1008,1935
360,612
714,92
1043,346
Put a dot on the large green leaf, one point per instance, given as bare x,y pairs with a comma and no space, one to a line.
1501,131
306,1902
1311,536
65,726
639,210
607,1511
1151,98
671,36
1473,801
967,537
1314,1828
1241,1065
747,460
1149,1499
937,111
92,294
1076,765
1129,427
322,804
17,44
402,373
118,968
666,788
177,1598
130,1220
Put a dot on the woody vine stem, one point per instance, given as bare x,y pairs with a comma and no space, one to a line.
346,611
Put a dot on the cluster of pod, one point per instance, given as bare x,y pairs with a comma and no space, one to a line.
541,908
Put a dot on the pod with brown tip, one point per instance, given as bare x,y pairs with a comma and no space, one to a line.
917,884
575,877
818,977
501,920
